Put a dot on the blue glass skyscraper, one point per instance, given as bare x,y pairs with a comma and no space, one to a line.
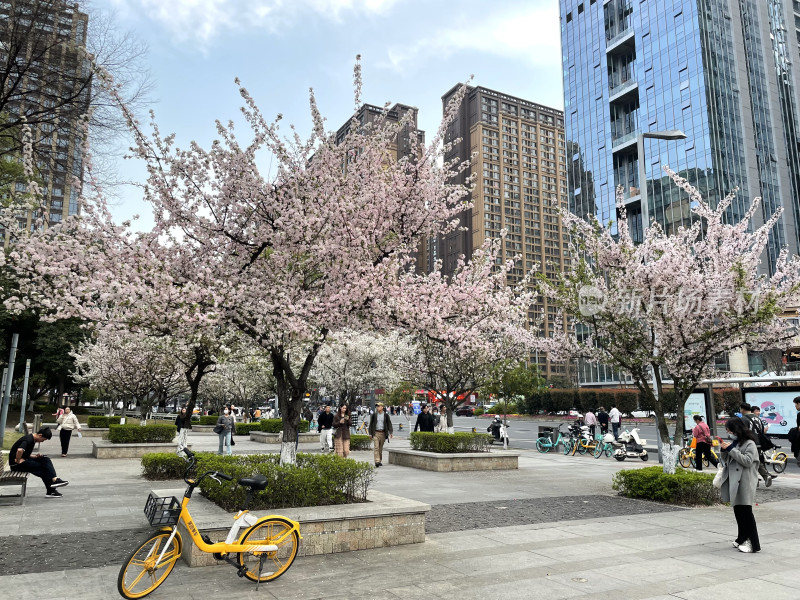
721,71
724,72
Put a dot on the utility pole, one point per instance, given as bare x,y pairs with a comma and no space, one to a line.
12,356
24,398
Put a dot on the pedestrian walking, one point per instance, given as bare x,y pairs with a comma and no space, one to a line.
224,429
702,442
182,424
325,423
739,481
425,420
757,427
67,423
614,416
341,437
602,419
22,459
380,426
590,419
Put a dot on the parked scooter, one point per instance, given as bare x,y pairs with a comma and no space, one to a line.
498,430
628,445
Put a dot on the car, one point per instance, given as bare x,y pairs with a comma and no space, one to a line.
465,411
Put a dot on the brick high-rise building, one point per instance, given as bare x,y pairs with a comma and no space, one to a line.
521,179
46,79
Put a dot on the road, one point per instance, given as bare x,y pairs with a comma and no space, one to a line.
522,433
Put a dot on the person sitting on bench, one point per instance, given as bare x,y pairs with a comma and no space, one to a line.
20,459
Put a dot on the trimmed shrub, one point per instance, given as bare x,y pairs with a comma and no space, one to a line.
163,465
360,442
208,419
502,408
563,399
246,428
276,425
45,408
651,483
448,443
477,412
136,434
95,421
316,480
627,400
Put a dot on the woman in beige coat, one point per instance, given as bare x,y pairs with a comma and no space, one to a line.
739,481
67,423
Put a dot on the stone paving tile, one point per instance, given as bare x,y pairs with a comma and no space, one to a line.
742,588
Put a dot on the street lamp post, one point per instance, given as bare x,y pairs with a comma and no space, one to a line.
671,135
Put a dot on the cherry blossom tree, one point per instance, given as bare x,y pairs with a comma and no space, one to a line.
663,309
242,379
473,324
283,260
131,366
354,361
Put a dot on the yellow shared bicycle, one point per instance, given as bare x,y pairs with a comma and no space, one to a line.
264,552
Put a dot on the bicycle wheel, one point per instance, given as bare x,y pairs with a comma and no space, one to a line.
543,445
567,446
777,466
609,450
685,458
705,461
598,450
275,563
140,575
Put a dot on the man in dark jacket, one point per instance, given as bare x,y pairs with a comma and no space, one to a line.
22,459
602,418
796,442
325,421
380,427
425,420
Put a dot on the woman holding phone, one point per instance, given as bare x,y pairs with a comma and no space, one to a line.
739,481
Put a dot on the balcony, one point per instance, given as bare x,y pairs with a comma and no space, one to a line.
624,141
623,90
624,39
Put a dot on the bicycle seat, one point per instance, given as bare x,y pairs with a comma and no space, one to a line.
256,482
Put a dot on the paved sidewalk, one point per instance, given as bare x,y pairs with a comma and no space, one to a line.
679,554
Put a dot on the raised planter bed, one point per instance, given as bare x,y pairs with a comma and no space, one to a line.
384,520
275,438
496,460
105,449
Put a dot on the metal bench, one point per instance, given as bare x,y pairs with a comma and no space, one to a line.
9,477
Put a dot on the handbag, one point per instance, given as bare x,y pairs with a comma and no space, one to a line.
219,428
717,483
694,443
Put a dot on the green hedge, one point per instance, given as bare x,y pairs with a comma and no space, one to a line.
447,443
208,419
276,425
501,408
477,412
651,483
163,465
246,428
360,442
136,434
316,480
95,421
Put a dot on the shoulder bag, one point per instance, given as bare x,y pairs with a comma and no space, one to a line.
219,428
717,483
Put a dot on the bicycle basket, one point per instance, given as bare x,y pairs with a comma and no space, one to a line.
162,511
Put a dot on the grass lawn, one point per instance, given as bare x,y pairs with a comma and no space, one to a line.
9,439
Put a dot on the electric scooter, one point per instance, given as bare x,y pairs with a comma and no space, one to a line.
628,445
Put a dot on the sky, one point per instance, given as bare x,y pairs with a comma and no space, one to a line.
412,52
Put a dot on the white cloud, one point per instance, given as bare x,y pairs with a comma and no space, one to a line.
203,20
531,34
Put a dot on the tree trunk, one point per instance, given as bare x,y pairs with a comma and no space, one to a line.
290,402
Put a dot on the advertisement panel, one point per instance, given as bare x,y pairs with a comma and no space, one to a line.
777,406
695,405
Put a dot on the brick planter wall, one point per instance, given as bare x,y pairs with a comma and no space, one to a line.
385,520
470,461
